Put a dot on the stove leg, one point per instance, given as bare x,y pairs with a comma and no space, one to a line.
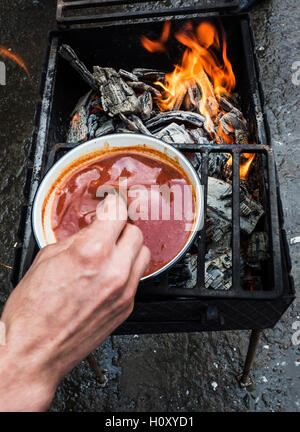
100,374
245,379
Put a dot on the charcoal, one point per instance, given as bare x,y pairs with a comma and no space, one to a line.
227,106
142,87
195,159
149,74
92,125
78,130
216,164
257,250
219,199
121,129
218,231
116,96
94,106
231,123
135,124
184,273
139,124
162,119
241,137
127,76
198,136
106,128
174,133
69,54
145,105
218,270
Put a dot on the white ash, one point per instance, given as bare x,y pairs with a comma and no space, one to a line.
78,131
218,270
174,133
219,200
219,231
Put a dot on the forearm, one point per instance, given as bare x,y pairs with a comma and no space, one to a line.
23,386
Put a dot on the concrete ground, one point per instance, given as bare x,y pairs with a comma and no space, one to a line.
186,372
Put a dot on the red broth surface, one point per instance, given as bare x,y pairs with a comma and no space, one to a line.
164,215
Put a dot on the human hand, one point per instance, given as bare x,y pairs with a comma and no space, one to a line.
76,293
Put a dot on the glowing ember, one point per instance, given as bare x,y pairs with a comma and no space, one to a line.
206,65
75,119
7,54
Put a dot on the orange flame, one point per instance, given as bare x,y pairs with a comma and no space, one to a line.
204,64
159,45
7,54
245,166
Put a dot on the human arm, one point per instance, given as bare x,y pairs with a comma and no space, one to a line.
74,295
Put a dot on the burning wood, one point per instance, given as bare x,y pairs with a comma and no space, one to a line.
78,130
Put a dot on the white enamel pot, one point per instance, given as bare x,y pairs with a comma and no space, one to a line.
44,199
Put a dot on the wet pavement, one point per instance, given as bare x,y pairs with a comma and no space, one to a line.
177,372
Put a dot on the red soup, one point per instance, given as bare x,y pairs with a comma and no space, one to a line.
159,197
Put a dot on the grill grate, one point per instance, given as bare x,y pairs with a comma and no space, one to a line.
69,12
160,286
160,306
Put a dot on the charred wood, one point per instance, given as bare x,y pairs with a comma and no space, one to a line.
188,118
106,128
78,130
149,74
219,200
116,96
257,250
218,270
69,54
174,133
216,163
142,87
134,124
218,231
127,76
184,273
145,105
